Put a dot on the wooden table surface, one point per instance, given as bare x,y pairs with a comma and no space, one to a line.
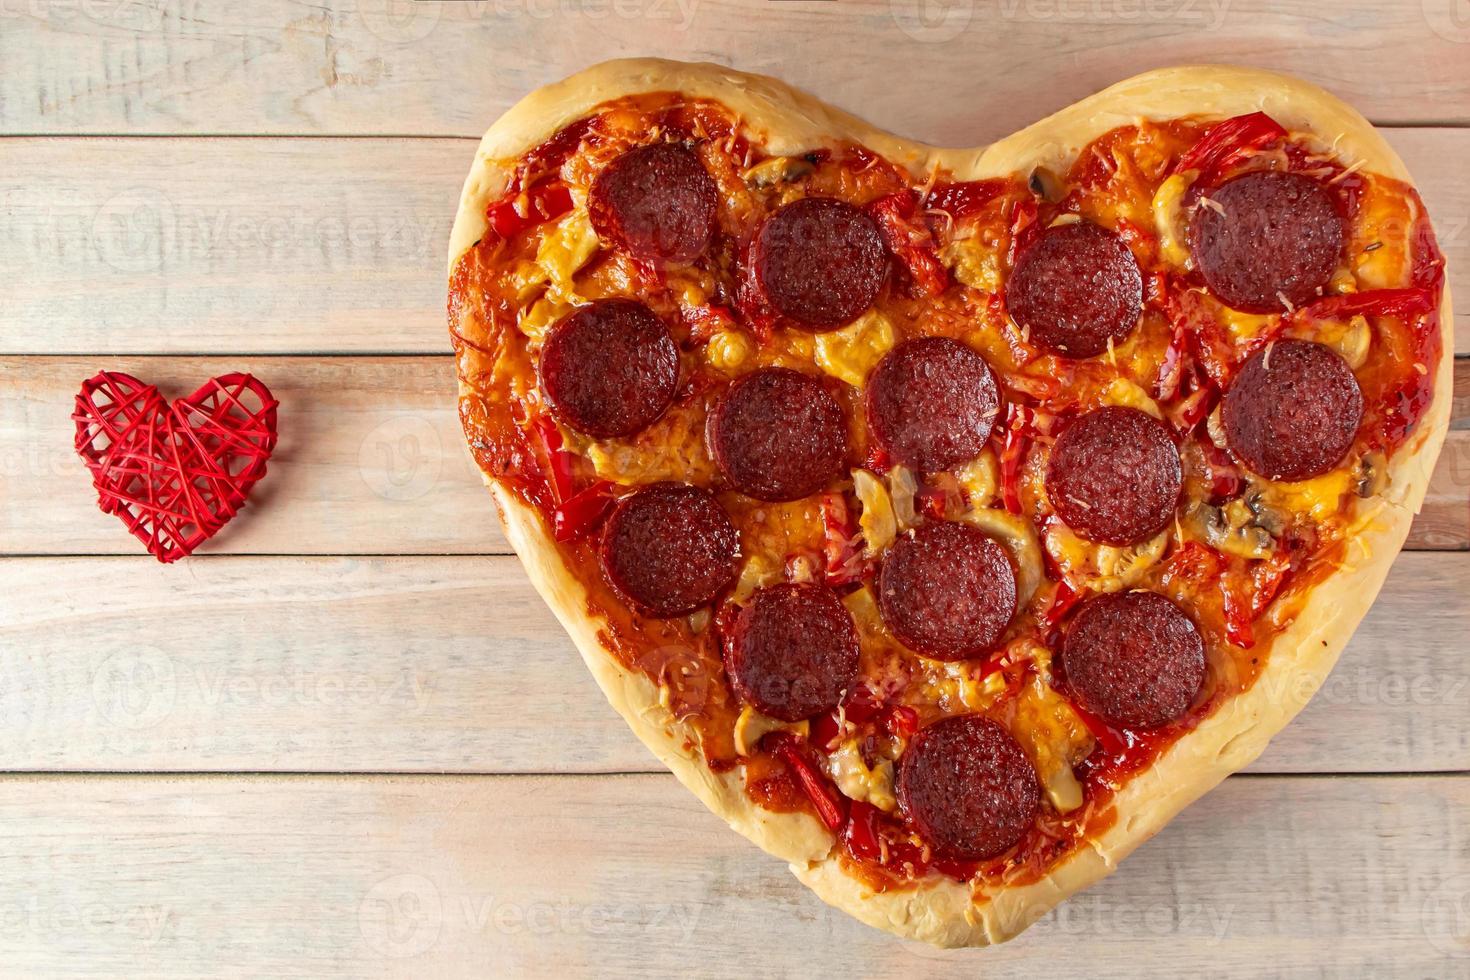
348,738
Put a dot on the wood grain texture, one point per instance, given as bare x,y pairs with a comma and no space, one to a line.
310,246
445,68
454,664
627,876
371,461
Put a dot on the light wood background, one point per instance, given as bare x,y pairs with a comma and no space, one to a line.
347,739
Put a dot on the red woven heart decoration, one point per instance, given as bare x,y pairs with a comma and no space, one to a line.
174,474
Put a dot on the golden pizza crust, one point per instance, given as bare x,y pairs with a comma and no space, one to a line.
945,912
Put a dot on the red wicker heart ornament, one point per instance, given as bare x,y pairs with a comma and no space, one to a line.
174,473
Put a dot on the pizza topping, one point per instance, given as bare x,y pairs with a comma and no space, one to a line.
609,369
968,788
820,262
1114,476
931,403
1134,659
1293,410
792,651
1076,290
947,590
657,202
1268,241
669,548
778,434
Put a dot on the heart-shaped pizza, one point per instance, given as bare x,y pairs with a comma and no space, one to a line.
947,520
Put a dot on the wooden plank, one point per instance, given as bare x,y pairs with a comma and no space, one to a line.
628,876
455,665
307,246
371,461
385,67
270,246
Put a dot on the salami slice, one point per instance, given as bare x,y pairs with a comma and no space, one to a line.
793,651
778,434
669,548
931,403
1292,411
820,262
1135,659
1114,476
1267,241
609,369
947,590
968,788
657,202
1075,289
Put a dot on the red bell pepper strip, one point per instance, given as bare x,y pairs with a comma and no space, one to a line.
539,204
1024,229
824,796
1226,142
1113,742
900,720
1375,302
963,200
845,563
558,460
1012,453
1225,480
580,513
1238,620
861,834
910,241
1062,602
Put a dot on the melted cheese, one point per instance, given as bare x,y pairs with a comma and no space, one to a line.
1127,394
1102,567
1168,212
974,262
857,781
877,520
752,726
1053,736
980,478
727,350
850,353
1319,498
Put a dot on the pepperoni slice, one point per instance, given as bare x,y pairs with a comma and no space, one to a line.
820,262
1267,240
1134,659
931,403
1075,289
1293,410
669,548
1114,476
657,202
968,788
793,651
778,434
947,590
609,369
